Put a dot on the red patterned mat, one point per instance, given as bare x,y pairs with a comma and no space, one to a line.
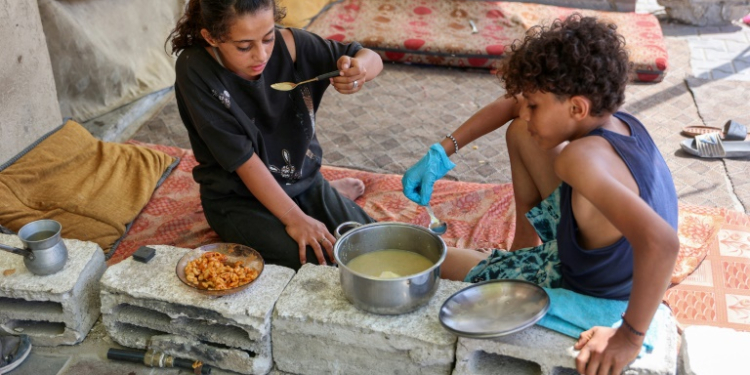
482,215
479,215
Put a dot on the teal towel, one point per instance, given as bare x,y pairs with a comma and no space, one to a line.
571,314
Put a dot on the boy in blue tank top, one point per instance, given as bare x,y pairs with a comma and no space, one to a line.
596,208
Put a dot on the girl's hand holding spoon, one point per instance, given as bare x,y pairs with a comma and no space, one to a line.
353,75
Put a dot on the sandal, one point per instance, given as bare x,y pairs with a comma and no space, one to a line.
711,146
733,131
13,351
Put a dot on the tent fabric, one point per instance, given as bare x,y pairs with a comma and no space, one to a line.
108,53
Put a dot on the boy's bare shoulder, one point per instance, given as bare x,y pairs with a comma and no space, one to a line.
589,152
590,165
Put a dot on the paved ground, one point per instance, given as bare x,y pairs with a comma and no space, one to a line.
390,125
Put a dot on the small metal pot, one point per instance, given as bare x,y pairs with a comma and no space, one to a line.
388,296
44,252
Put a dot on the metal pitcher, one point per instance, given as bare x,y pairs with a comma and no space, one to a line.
44,252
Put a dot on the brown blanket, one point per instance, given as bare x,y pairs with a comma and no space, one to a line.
93,188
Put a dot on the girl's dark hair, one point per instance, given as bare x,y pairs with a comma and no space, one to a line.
214,16
575,56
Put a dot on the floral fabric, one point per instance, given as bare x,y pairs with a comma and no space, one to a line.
473,34
716,292
711,281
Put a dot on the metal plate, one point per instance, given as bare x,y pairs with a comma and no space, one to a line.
494,308
234,252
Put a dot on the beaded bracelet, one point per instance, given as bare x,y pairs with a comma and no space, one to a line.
630,328
455,143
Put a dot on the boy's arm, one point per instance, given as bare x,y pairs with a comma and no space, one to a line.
587,166
419,179
490,117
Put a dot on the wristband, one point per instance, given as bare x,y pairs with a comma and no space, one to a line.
455,143
287,211
630,328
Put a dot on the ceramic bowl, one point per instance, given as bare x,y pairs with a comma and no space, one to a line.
234,252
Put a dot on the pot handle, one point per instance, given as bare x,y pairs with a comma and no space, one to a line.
352,224
25,253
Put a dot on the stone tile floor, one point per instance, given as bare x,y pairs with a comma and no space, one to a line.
407,108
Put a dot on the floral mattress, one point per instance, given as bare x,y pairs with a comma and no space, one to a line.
473,34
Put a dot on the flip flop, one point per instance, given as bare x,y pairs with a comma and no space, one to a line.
711,146
733,131
694,131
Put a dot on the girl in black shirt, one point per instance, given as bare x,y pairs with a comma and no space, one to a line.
258,154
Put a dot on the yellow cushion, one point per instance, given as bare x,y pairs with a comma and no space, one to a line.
299,13
93,188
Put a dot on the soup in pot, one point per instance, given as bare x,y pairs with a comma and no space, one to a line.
389,264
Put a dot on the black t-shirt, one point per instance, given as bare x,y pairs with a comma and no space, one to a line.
229,118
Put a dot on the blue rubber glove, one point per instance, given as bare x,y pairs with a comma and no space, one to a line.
419,179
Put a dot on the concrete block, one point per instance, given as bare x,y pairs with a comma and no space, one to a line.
276,371
146,305
540,351
57,309
608,5
713,350
317,331
705,12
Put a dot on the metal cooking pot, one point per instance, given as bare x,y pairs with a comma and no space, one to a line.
388,296
44,252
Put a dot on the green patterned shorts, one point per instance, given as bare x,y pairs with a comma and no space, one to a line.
540,264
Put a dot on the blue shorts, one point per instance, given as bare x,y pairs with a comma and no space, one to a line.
540,264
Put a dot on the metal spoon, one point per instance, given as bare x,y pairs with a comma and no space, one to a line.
287,86
436,226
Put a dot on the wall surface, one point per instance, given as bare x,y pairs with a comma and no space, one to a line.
706,12
28,99
608,5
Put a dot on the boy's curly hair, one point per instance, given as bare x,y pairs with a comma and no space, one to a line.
575,56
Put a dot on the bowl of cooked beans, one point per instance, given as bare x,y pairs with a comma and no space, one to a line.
220,269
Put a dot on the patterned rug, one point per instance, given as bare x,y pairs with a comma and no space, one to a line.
483,215
718,292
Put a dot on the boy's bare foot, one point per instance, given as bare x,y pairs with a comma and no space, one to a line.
349,187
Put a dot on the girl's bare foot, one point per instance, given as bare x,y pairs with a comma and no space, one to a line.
349,187
484,250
